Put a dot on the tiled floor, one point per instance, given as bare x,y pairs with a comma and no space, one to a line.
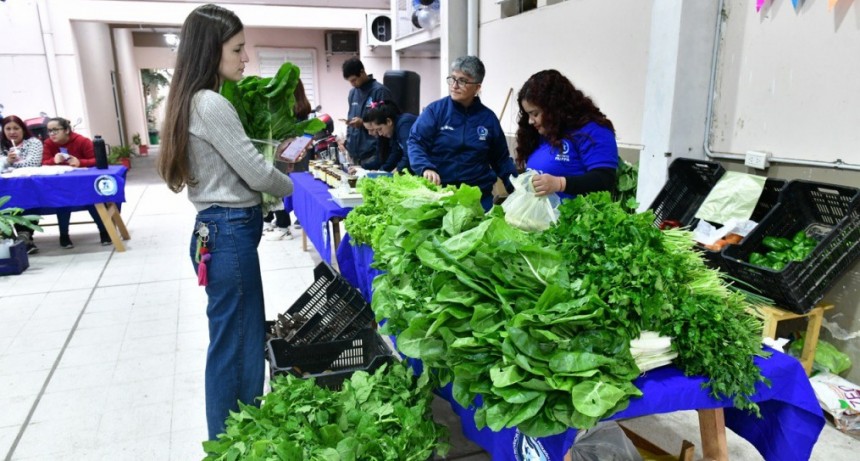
102,353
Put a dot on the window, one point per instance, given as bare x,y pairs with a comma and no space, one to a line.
272,58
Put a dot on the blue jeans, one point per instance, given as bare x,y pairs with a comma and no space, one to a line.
235,362
64,216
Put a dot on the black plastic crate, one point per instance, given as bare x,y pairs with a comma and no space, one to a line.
17,261
330,309
688,184
330,363
766,201
826,212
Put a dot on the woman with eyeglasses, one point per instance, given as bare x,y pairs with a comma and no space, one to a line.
564,138
384,119
457,140
65,147
18,149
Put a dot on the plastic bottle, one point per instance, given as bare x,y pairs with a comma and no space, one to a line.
101,153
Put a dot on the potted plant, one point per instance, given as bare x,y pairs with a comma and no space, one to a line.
120,155
142,149
153,80
13,255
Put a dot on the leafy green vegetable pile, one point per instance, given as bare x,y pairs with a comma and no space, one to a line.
384,416
539,324
366,222
265,108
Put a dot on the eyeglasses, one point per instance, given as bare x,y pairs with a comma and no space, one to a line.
459,81
55,130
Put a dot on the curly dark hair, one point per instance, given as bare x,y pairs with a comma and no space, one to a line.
564,109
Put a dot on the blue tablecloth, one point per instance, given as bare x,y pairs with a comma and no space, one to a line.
77,188
788,429
314,207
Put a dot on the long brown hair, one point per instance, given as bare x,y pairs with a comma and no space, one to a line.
564,107
198,58
302,107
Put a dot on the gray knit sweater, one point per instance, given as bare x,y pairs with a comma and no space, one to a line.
228,169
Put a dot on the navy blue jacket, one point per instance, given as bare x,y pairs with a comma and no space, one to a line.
361,145
397,157
465,145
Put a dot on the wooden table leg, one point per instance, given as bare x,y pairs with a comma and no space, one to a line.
335,227
304,239
109,216
810,342
712,426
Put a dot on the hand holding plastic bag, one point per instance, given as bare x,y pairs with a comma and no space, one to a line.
525,210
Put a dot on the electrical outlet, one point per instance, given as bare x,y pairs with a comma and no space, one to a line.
757,159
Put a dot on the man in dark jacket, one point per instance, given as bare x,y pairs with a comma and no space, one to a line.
365,91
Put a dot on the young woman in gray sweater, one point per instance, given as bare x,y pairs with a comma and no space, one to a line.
205,148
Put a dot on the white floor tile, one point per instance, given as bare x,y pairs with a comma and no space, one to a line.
15,410
188,444
56,438
70,404
81,377
135,423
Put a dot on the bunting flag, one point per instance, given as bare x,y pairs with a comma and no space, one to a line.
759,3
831,4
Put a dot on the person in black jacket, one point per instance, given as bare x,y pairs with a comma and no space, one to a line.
365,91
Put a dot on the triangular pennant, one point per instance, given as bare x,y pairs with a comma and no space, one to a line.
758,5
831,4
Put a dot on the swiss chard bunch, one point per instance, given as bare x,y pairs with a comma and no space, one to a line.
265,108
488,306
383,416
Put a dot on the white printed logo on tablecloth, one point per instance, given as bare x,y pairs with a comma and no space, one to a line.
528,448
105,185
325,233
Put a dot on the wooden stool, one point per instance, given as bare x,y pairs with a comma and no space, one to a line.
773,315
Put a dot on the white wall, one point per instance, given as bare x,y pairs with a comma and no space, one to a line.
601,48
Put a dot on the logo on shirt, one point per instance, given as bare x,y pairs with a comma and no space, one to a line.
105,185
482,133
563,155
369,103
446,128
528,448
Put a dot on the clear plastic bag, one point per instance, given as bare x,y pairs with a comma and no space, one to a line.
525,210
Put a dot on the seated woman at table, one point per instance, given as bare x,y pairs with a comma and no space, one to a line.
65,147
564,137
385,119
18,149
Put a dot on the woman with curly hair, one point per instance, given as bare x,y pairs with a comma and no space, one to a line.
564,138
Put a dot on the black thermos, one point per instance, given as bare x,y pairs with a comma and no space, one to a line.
101,153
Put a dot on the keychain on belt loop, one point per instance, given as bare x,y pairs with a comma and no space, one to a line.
202,256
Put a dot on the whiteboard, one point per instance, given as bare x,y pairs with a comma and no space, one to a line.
788,81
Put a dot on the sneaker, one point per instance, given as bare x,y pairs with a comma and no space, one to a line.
281,233
32,248
105,239
297,225
66,242
269,226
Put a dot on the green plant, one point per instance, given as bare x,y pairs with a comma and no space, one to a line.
135,139
625,186
119,152
153,80
9,217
